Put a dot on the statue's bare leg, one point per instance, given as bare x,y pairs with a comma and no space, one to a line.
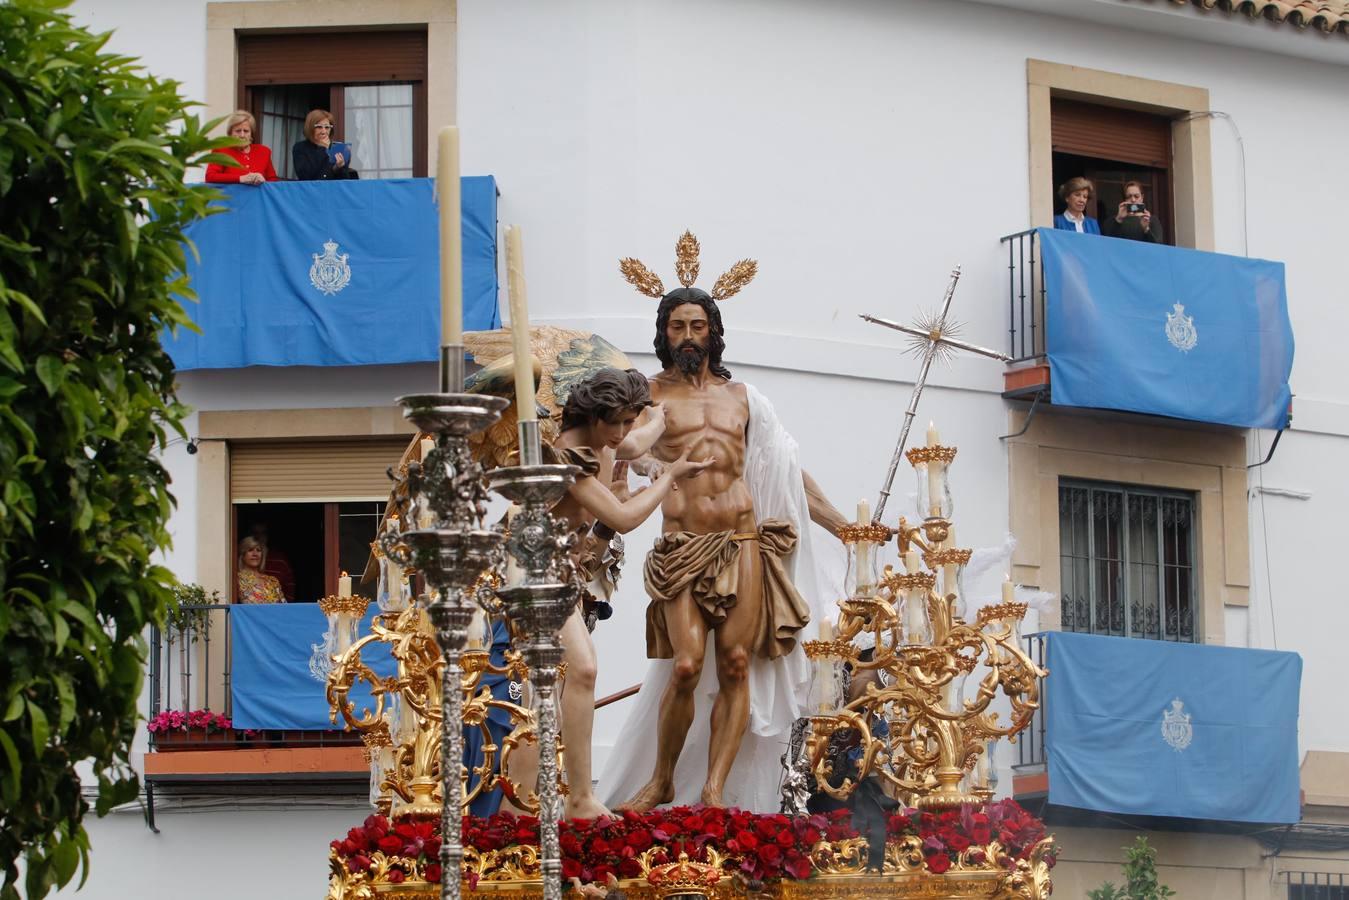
688,634
578,718
734,647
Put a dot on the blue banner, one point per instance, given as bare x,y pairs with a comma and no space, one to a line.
332,273
270,684
1163,729
1166,331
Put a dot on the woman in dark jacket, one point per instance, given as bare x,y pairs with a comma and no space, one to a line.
310,156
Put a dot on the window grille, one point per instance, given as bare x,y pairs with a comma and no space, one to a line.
1126,559
1318,886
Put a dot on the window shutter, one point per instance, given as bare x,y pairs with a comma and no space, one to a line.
311,471
1106,132
348,57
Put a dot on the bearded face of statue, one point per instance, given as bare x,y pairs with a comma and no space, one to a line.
689,333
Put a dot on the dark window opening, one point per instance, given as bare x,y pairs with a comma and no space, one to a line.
316,542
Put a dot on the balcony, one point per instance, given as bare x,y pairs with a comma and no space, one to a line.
1162,734
1105,323
332,273
256,677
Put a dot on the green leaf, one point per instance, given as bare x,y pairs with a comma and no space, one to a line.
15,766
51,372
65,858
41,730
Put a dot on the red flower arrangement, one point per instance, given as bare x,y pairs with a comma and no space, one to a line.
947,834
762,846
197,720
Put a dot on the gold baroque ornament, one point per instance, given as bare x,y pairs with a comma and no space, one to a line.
352,606
921,455
687,266
874,532
827,649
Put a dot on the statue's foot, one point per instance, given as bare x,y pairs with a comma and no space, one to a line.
585,808
711,796
654,794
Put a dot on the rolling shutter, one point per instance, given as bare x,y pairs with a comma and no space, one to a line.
335,57
1106,132
312,471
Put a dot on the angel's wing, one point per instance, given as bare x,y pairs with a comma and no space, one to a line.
586,356
566,356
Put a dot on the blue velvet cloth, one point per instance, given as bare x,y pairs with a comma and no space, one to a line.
1167,331
1158,728
332,273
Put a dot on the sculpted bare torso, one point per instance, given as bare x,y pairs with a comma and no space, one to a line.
707,422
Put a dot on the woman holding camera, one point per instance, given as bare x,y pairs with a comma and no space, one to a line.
1133,221
1076,194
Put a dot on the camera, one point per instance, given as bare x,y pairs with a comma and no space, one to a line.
1136,207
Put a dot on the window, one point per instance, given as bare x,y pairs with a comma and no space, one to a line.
1317,886
316,504
1112,146
373,82
1126,557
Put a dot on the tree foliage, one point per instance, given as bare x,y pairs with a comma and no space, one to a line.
92,209
1140,877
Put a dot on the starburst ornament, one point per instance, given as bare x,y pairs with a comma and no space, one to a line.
932,336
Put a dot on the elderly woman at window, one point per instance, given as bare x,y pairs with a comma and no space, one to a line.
253,585
311,157
254,160
1077,194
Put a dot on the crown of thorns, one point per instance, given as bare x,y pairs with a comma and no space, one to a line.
686,267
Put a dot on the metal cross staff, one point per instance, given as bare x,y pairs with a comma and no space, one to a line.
930,336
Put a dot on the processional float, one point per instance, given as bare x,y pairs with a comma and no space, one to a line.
910,720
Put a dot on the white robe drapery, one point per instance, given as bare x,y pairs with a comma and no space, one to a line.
778,688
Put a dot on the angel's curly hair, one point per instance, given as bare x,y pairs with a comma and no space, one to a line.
604,395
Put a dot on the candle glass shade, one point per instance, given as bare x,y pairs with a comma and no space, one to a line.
917,622
392,594
826,684
864,570
991,751
934,490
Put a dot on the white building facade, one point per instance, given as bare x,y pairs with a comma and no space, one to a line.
858,150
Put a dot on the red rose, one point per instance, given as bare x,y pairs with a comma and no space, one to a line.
770,855
981,834
432,872
766,827
396,876
810,836
798,868
786,839
938,863
390,843
358,863
571,868
571,844
746,840
639,840
714,831
958,842
629,868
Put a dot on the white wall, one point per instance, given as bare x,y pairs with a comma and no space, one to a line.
858,150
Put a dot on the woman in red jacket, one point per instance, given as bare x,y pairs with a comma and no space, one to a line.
255,160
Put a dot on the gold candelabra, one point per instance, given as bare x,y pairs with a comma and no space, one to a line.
909,718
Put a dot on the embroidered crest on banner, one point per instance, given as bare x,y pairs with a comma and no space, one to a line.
330,272
1180,330
1176,728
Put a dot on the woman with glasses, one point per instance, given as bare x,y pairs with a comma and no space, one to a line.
311,157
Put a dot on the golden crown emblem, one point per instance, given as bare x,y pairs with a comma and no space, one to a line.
686,268
684,876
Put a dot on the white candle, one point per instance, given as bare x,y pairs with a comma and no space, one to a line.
451,239
934,498
476,628
865,583
826,630
344,585
427,445
395,576
524,359
1008,590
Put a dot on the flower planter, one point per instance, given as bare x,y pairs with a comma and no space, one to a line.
173,741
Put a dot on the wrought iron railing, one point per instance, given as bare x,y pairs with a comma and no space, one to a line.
190,669
1030,744
1025,296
